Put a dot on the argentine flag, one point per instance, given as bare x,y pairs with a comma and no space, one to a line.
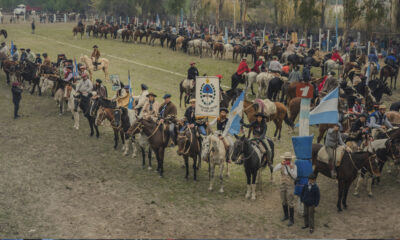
130,105
327,110
233,125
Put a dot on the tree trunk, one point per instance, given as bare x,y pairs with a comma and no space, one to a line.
323,7
276,5
295,6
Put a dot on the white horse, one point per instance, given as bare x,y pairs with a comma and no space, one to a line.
228,49
263,80
213,148
119,33
206,48
72,106
251,78
104,65
331,65
45,84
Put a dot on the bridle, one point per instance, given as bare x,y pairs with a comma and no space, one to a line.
369,161
186,141
242,152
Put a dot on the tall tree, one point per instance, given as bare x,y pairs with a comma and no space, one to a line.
220,5
351,14
323,8
374,10
308,13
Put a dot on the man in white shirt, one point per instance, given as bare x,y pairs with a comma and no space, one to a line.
288,176
141,99
275,66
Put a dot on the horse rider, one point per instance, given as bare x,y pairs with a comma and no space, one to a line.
259,130
378,121
358,107
336,57
330,84
60,58
141,99
24,55
222,120
16,97
258,65
275,66
15,55
191,121
84,86
38,59
80,24
46,60
83,70
4,49
193,72
288,177
359,129
391,61
372,58
150,108
30,56
95,56
238,76
167,114
100,89
291,48
333,140
295,75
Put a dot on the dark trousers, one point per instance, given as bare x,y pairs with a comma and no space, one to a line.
236,79
309,215
16,108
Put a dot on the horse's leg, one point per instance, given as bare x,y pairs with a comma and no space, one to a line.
91,127
221,174
195,168
253,183
149,154
133,148
186,160
95,127
346,191
162,161
143,157
340,195
116,139
248,176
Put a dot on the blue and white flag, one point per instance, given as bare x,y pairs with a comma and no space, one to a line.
130,105
327,110
75,73
12,48
368,72
235,115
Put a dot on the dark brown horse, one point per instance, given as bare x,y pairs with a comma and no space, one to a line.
158,137
4,33
126,35
388,71
189,147
218,48
237,50
347,171
78,29
281,115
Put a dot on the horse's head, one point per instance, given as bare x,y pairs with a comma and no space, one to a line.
101,115
136,128
238,147
393,148
184,141
93,106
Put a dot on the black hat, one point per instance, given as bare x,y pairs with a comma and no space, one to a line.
22,49
144,86
333,73
167,96
312,176
151,94
224,110
37,54
364,115
99,81
69,60
260,114
95,46
28,50
70,67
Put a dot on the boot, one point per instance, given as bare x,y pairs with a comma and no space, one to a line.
291,217
248,191
285,212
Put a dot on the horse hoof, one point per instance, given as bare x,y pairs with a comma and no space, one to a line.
210,189
339,210
356,195
133,155
253,198
149,168
221,190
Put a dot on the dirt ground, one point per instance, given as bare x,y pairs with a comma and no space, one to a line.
57,182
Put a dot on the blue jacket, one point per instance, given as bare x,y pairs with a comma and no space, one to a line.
310,197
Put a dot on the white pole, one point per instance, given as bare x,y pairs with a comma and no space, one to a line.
319,39
369,47
120,20
65,17
55,18
304,120
105,18
327,42
310,42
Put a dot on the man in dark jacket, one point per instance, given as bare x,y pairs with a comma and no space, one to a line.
16,98
167,114
193,72
310,197
359,128
307,74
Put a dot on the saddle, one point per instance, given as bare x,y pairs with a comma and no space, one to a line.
324,157
266,106
262,150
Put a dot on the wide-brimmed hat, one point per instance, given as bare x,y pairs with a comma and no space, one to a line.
99,81
126,86
192,100
38,54
382,106
244,58
144,86
95,46
151,94
275,58
192,63
260,114
287,155
224,110
219,76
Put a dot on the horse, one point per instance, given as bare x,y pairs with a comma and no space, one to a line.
189,147
185,87
275,85
83,102
388,71
104,65
3,32
294,108
229,97
218,48
78,29
281,115
237,50
126,35
263,80
250,78
253,162
157,35
228,50
393,117
157,136
347,171
249,50
379,89
213,149
331,65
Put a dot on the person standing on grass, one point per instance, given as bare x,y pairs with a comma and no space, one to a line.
33,26
310,197
16,98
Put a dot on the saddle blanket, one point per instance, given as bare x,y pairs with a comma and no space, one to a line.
324,157
266,106
188,84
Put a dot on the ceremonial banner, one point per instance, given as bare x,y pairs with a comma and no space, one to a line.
207,96
116,84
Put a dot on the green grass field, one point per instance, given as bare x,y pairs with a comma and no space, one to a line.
58,182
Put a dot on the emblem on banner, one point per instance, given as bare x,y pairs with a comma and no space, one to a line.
207,93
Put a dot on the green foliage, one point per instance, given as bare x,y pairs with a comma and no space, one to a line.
373,10
174,6
308,13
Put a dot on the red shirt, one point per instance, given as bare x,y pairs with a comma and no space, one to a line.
256,67
321,85
243,67
336,56
285,69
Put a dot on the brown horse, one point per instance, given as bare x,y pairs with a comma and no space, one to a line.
77,30
294,108
251,108
388,71
158,137
237,50
347,171
189,147
127,35
218,48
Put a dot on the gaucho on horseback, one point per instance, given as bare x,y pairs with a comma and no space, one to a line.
238,76
95,56
193,72
191,121
167,115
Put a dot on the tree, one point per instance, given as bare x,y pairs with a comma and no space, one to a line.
308,13
374,10
351,14
220,5
323,8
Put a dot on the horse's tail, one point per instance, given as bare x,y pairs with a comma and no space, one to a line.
4,32
180,96
288,121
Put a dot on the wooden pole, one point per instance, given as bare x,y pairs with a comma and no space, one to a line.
319,39
327,42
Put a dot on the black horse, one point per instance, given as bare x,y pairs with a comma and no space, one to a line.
83,103
229,97
275,85
249,50
252,161
378,88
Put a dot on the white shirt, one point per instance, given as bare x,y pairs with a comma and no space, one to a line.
292,171
141,99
